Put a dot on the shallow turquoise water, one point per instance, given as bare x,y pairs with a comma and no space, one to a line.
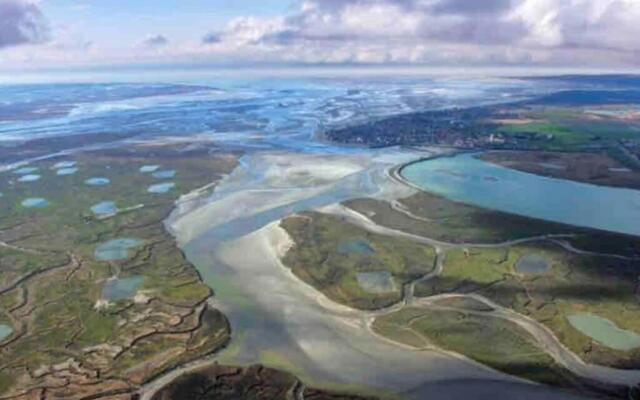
116,249
35,202
532,264
149,168
604,331
64,164
25,170
164,174
103,208
358,246
5,331
121,288
470,180
97,181
29,178
161,187
67,171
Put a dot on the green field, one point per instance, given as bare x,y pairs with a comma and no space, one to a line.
573,284
572,129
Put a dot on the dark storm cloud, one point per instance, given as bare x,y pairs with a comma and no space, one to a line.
21,22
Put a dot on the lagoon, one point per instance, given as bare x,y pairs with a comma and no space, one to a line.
97,181
29,178
67,171
25,170
64,164
5,331
121,288
605,332
148,168
532,264
170,173
463,178
116,249
35,202
161,187
104,208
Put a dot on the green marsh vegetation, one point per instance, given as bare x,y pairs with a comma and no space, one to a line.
68,338
492,341
319,258
573,284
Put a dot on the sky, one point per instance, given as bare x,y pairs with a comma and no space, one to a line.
439,33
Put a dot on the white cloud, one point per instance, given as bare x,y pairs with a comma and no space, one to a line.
441,31
595,33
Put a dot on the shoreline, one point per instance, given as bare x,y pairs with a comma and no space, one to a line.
347,318
396,174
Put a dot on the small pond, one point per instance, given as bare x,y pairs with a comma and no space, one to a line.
67,171
104,208
357,246
97,181
116,249
161,187
532,264
35,202
5,331
25,170
29,178
376,282
121,288
149,168
604,331
170,173
64,164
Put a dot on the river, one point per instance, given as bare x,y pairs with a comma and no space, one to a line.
471,180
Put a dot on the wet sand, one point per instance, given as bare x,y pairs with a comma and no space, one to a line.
280,321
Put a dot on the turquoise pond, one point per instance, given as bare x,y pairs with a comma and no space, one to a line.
470,180
25,170
66,171
357,246
29,178
161,187
104,208
35,202
532,264
5,331
97,181
604,331
149,168
121,288
64,164
164,174
116,249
